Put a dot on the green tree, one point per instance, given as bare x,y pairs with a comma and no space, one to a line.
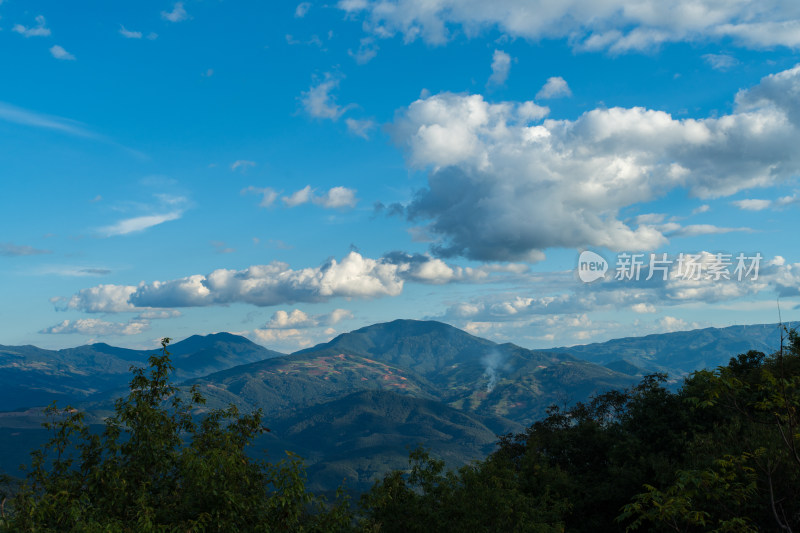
744,465
155,468
485,496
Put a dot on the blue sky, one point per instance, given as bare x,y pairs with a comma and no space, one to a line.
291,171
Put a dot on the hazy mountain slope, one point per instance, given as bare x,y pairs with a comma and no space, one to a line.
31,376
682,352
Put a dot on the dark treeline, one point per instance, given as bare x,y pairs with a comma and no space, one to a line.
720,454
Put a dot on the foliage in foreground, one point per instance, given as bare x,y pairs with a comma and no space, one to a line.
155,468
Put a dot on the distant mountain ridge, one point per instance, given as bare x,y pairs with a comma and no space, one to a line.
425,359
31,376
354,405
682,352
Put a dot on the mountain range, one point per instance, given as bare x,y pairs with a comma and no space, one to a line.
354,405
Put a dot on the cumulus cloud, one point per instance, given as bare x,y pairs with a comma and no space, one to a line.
319,102
300,197
752,204
337,197
40,30
617,26
668,324
556,87
302,9
97,327
263,285
177,14
355,276
59,53
282,335
426,269
298,319
691,280
503,186
334,198
99,299
501,65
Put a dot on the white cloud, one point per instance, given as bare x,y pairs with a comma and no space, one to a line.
668,324
97,327
295,319
556,87
337,197
615,25
298,197
268,195
367,50
59,53
298,319
136,224
354,276
334,198
40,30
129,34
426,269
701,209
752,204
694,230
643,308
302,9
721,61
243,164
277,335
359,127
168,207
177,14
100,299
318,101
503,187
501,65
25,117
